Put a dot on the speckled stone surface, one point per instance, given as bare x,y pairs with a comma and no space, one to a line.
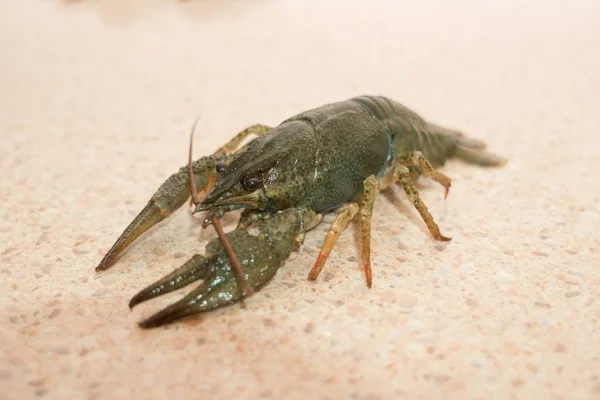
96,102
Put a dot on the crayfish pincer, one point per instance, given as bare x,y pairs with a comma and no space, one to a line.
261,255
334,157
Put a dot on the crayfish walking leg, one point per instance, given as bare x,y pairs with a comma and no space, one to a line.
399,173
345,215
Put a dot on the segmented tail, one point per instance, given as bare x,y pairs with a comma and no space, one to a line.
411,132
467,149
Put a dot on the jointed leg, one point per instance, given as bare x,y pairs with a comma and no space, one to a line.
345,214
371,189
232,145
418,159
402,173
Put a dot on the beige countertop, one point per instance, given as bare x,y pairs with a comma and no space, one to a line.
96,101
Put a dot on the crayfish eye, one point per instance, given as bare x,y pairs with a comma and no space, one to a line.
252,182
221,167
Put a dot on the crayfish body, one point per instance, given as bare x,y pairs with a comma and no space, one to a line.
337,156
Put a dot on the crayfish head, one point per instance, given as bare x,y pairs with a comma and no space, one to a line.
273,173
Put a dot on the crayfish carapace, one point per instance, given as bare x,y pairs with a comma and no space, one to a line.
337,156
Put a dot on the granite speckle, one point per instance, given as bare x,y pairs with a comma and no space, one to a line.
504,278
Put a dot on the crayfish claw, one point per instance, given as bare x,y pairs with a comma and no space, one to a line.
194,269
197,301
169,197
151,215
260,257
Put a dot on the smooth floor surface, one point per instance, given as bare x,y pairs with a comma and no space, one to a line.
97,98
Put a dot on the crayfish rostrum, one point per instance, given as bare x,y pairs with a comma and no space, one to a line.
334,157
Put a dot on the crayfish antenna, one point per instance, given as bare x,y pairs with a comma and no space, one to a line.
235,262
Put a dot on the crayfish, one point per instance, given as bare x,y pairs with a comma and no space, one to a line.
334,157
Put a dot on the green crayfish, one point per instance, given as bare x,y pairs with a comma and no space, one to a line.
337,156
